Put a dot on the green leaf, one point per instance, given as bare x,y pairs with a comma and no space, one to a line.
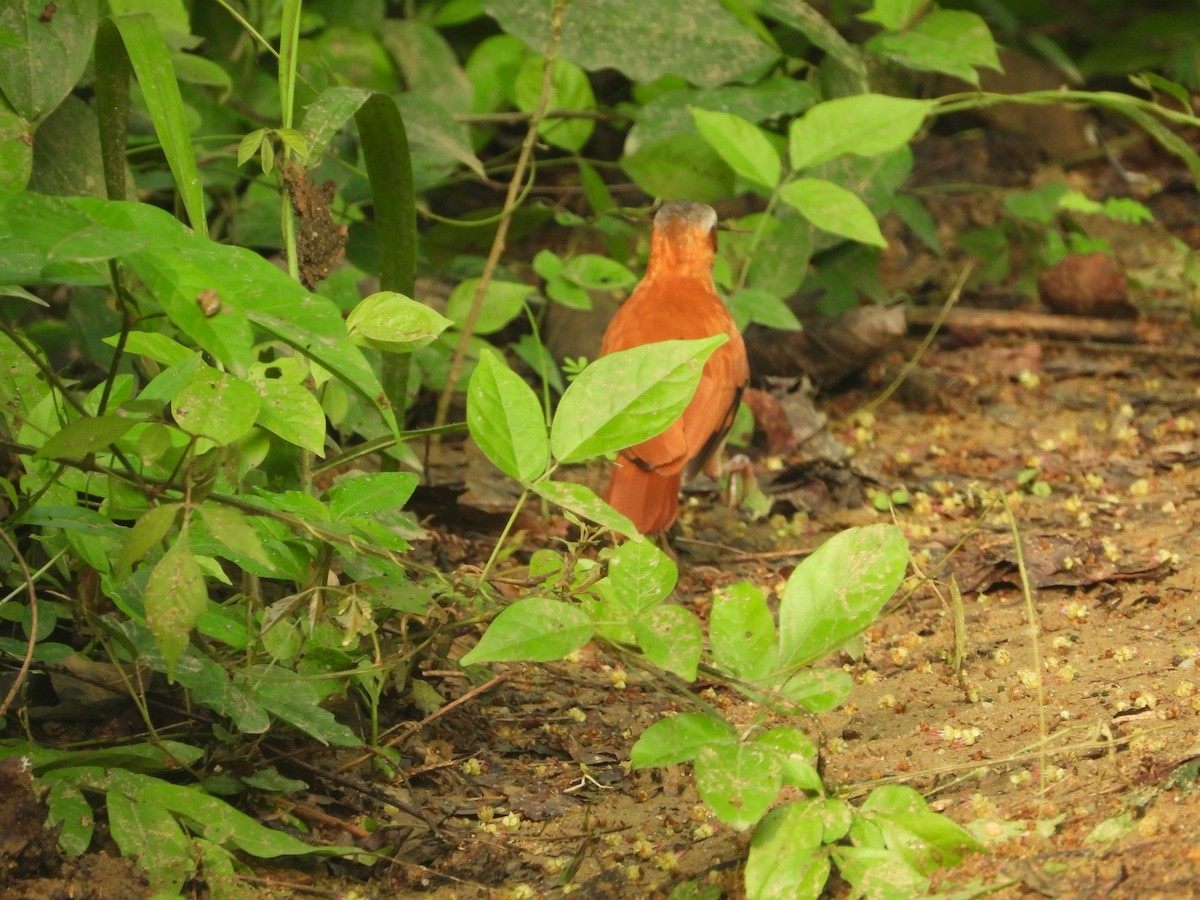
569,295
625,398
249,145
293,140
436,139
506,420
597,273
582,501
48,58
158,347
699,41
874,872
156,76
569,90
848,69
364,495
742,631
919,220
671,638
785,858
220,821
231,528
149,832
68,806
427,62
818,690
291,411
84,436
797,755
16,150
894,14
1152,81
66,152
679,739
868,125
296,700
1041,204
216,405
391,321
502,302
641,575
492,68
834,209
598,196
536,629
174,599
679,167
764,307
388,157
151,528
742,144
739,782
839,590
928,838
952,41
326,115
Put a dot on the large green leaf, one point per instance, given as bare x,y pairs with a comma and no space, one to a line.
51,54
583,502
428,63
834,209
839,590
537,629
699,40
326,115
742,631
947,40
784,858
742,144
149,832
66,152
151,61
738,781
679,738
506,420
394,322
671,638
502,302
216,405
16,154
805,18
625,398
569,90
175,597
867,125
640,575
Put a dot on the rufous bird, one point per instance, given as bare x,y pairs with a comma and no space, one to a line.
677,300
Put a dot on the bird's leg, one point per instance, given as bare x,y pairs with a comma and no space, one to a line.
742,483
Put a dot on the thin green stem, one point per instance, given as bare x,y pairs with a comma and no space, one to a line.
510,206
289,39
248,28
499,545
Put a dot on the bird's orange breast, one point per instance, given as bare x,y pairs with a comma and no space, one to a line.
677,301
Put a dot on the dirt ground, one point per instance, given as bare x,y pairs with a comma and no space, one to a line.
1084,789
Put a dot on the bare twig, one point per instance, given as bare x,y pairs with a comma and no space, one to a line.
33,624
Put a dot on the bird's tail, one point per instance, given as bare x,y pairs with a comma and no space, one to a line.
649,499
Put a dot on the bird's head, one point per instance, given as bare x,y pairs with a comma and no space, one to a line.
684,239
